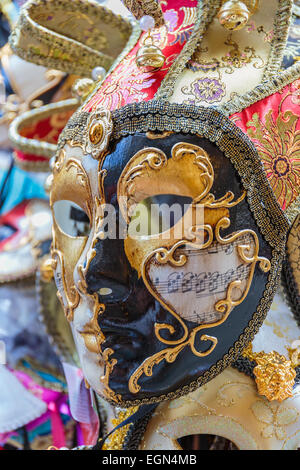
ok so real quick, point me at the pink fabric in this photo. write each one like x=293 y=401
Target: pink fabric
x=57 y=405
x=87 y=432
x=81 y=405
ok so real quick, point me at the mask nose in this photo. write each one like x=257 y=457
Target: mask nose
x=109 y=272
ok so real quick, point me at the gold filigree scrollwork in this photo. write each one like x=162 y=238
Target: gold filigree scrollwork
x=92 y=334
x=82 y=180
x=164 y=256
x=109 y=365
x=226 y=201
x=201 y=160
x=203 y=163
x=225 y=306
x=94 y=338
x=99 y=204
x=169 y=355
x=168 y=255
x=81 y=174
x=155 y=160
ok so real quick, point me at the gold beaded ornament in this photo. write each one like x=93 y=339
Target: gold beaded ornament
x=274 y=373
x=235 y=14
x=149 y=57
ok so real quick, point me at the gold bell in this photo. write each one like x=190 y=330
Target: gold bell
x=150 y=57
x=234 y=14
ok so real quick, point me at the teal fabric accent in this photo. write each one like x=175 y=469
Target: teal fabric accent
x=44 y=375
x=41 y=430
x=21 y=185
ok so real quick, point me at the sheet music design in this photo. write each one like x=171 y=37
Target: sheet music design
x=193 y=290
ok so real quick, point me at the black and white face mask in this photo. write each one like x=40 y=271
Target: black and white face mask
x=160 y=300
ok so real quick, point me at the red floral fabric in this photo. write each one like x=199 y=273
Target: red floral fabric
x=273 y=125
x=129 y=84
x=46 y=130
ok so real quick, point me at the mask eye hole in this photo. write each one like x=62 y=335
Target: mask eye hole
x=71 y=219
x=156 y=214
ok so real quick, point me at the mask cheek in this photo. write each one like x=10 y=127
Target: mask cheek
x=79 y=313
x=91 y=363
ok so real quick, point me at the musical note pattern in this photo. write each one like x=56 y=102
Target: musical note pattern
x=194 y=290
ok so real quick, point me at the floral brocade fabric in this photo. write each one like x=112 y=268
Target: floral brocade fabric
x=273 y=125
x=129 y=84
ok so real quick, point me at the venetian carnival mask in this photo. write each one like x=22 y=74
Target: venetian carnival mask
x=159 y=305
x=144 y=306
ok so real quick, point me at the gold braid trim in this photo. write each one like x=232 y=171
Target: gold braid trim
x=116 y=439
x=35 y=146
x=50 y=42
